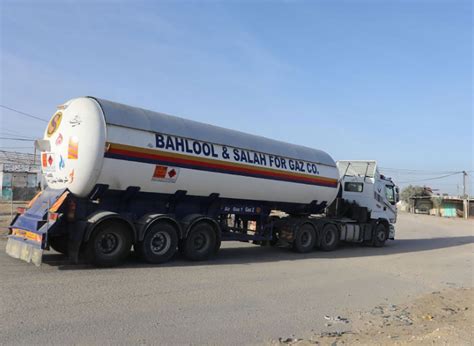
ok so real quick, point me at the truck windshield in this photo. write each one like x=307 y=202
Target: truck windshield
x=390 y=194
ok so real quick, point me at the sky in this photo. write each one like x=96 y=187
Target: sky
x=383 y=80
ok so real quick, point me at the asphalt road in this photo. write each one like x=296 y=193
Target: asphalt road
x=247 y=295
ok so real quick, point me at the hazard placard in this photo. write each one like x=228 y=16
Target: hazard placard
x=48 y=162
x=165 y=173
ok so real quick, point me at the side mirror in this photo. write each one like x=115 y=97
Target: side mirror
x=397 y=194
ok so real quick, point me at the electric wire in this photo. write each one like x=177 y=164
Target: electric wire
x=2 y=133
x=24 y=113
x=18 y=139
x=429 y=179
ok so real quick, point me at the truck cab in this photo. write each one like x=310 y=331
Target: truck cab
x=363 y=185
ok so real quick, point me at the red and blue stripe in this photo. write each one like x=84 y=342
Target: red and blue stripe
x=165 y=158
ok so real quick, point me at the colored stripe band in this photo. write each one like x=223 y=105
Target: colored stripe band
x=159 y=157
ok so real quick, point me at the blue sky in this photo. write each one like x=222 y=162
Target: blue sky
x=384 y=80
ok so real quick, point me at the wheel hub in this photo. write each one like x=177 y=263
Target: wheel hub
x=199 y=241
x=329 y=237
x=381 y=235
x=305 y=238
x=160 y=243
x=108 y=243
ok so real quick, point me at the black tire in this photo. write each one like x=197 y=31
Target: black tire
x=109 y=245
x=305 y=238
x=201 y=242
x=218 y=245
x=181 y=244
x=380 y=235
x=137 y=249
x=275 y=239
x=329 y=237
x=59 y=244
x=276 y=233
x=159 y=244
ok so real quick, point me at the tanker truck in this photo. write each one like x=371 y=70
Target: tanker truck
x=122 y=178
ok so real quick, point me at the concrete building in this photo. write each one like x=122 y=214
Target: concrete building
x=20 y=176
x=445 y=206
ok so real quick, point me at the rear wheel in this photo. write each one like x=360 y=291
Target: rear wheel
x=380 y=235
x=276 y=233
x=109 y=245
x=329 y=237
x=159 y=244
x=275 y=239
x=305 y=238
x=181 y=244
x=201 y=242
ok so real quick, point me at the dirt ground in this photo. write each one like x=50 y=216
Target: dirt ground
x=441 y=317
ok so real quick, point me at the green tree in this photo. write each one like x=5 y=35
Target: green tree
x=412 y=191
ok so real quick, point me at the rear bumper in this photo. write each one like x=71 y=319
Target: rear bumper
x=29 y=230
x=24 y=249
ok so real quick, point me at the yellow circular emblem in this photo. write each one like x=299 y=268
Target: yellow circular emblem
x=54 y=123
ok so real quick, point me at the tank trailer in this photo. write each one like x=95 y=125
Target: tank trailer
x=120 y=177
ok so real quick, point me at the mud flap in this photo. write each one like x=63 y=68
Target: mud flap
x=25 y=251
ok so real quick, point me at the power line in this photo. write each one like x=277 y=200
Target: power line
x=435 y=178
x=8 y=133
x=18 y=139
x=416 y=171
x=17 y=147
x=413 y=175
x=25 y=114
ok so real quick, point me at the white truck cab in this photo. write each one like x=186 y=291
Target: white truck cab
x=362 y=183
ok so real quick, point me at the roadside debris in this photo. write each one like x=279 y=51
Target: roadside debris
x=427 y=317
x=391 y=314
x=289 y=341
x=336 y=319
x=334 y=334
x=440 y=317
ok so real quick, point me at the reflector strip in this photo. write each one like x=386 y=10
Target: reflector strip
x=27 y=235
x=33 y=200
x=54 y=208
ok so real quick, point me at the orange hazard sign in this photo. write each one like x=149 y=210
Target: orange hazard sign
x=160 y=172
x=165 y=173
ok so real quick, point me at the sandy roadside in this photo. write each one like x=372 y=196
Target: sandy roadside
x=6 y=215
x=441 y=317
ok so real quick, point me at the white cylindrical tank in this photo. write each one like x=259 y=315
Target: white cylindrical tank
x=94 y=141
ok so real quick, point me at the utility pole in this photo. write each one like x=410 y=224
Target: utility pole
x=464 y=184
x=465 y=196
x=11 y=200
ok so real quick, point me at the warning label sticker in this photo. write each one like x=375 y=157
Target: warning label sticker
x=165 y=173
x=48 y=162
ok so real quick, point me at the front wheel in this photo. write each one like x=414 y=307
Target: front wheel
x=329 y=237
x=380 y=235
x=159 y=244
x=109 y=245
